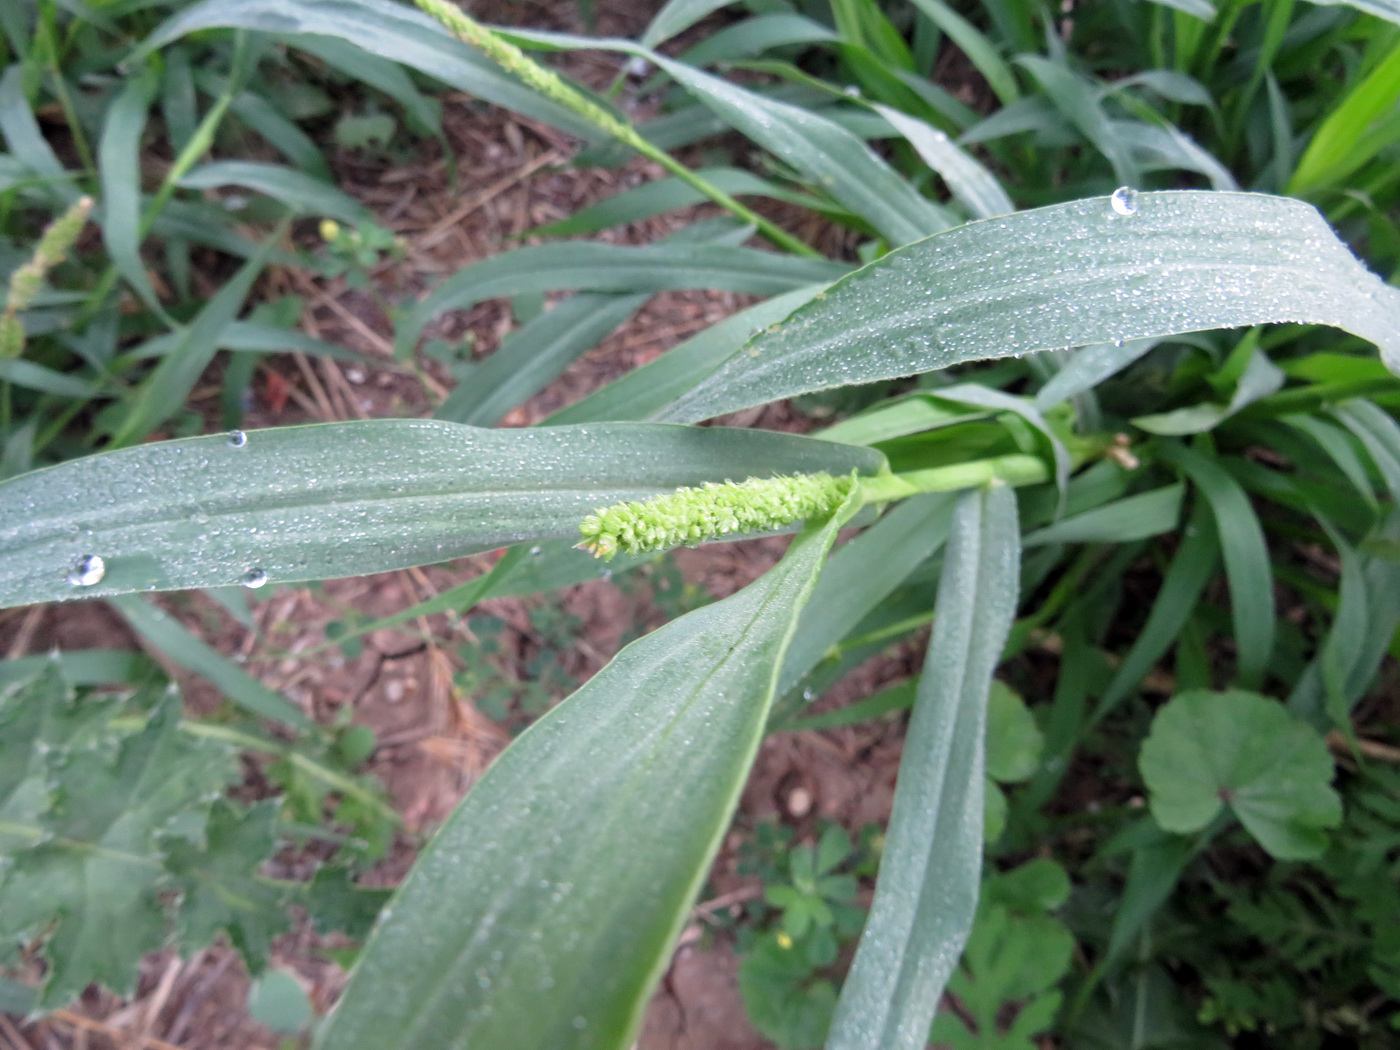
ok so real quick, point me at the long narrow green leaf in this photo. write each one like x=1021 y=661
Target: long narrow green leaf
x=342 y=499
x=1132 y=518
x=1067 y=275
x=393 y=31
x=535 y=355
x=1341 y=673
x=1073 y=96
x=646 y=391
x=33 y=376
x=975 y=188
x=298 y=191
x=540 y=350
x=1333 y=153
x=1246 y=554
x=614 y=803
x=676 y=17
x=119 y=167
x=754 y=36
x=167 y=388
x=167 y=635
x=615 y=268
x=1379 y=434
x=1182 y=585
x=663 y=195
x=1387 y=9
x=837 y=160
x=834 y=158
x=980 y=51
x=927 y=892
x=22 y=134
x=1089 y=366
x=861 y=574
x=81 y=666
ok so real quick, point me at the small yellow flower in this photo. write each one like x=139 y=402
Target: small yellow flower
x=330 y=230
x=784 y=940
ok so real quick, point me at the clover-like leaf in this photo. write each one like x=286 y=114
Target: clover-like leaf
x=1014 y=741
x=1246 y=752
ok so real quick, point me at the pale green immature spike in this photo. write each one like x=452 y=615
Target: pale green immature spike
x=711 y=512
x=11 y=336
x=63 y=232
x=57 y=238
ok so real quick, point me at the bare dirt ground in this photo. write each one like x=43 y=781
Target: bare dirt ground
x=433 y=742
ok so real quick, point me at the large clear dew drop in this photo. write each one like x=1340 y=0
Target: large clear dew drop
x=86 y=570
x=1124 y=201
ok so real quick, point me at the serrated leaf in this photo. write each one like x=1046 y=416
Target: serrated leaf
x=1068 y=275
x=614 y=802
x=90 y=878
x=341 y=499
x=1246 y=752
x=220 y=887
x=786 y=1001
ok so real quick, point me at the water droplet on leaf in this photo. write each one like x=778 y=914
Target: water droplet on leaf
x=86 y=570
x=253 y=579
x=237 y=439
x=1124 y=200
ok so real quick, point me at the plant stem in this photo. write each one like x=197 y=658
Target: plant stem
x=1015 y=469
x=552 y=86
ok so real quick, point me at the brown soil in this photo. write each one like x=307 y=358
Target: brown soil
x=433 y=742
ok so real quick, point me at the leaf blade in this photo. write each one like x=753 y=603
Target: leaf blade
x=1068 y=275
x=341 y=499
x=658 y=742
x=927 y=894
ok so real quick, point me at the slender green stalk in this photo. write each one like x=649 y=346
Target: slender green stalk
x=551 y=85
x=45 y=29
x=1016 y=469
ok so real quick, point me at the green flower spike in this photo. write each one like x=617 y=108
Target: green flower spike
x=27 y=280
x=711 y=512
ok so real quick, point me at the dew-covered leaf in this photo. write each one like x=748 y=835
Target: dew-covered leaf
x=614 y=804
x=340 y=499
x=615 y=268
x=389 y=30
x=1068 y=275
x=927 y=892
x=1243 y=751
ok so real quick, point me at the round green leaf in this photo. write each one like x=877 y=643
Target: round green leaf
x=1014 y=741
x=1245 y=752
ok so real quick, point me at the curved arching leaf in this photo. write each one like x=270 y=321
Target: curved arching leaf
x=1067 y=275
x=342 y=499
x=545 y=910
x=393 y=31
x=615 y=268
